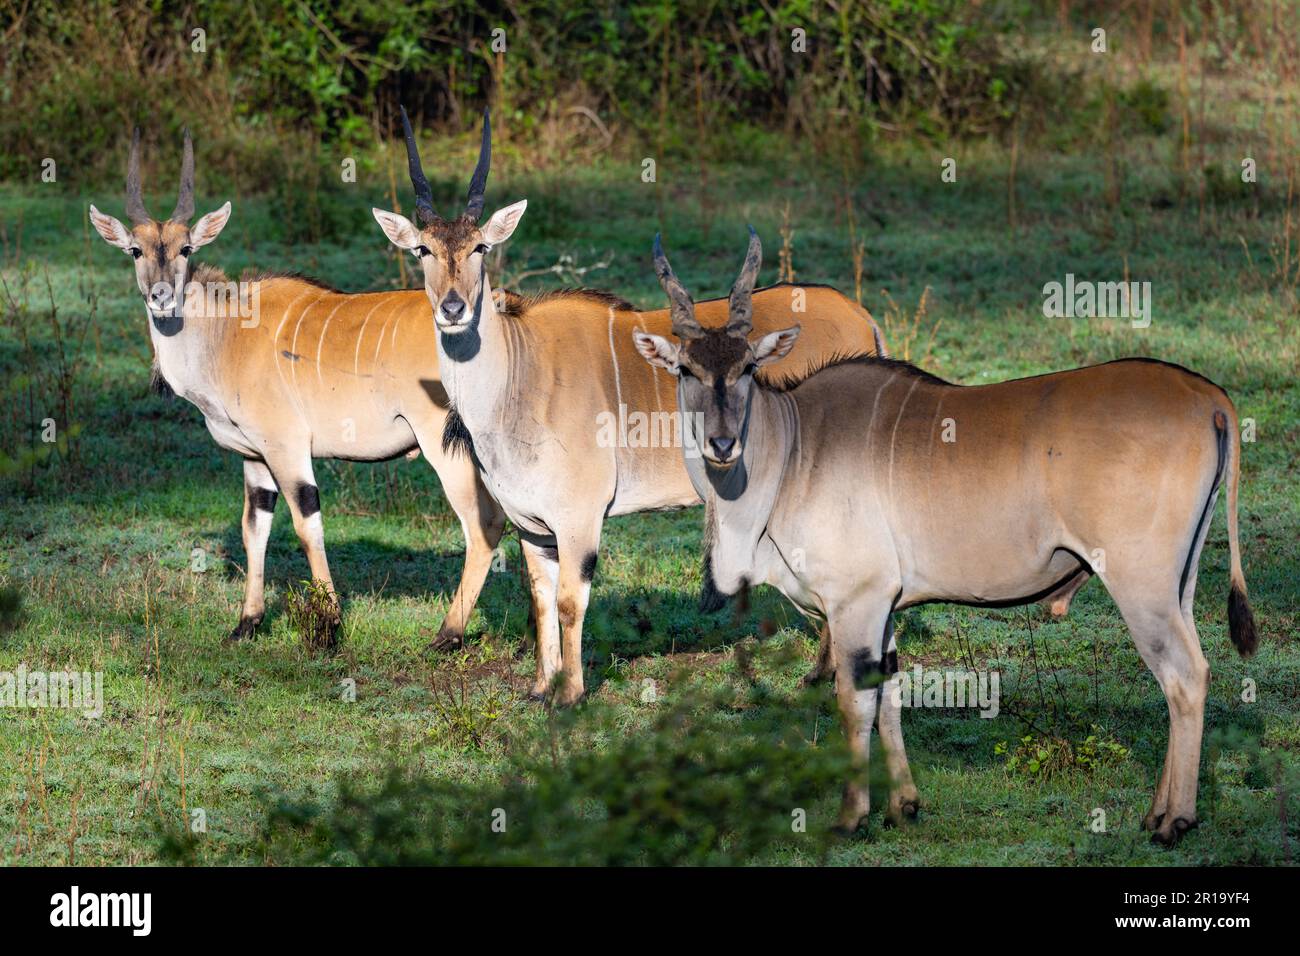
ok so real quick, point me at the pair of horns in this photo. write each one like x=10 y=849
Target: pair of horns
x=424 y=195
x=135 y=210
x=740 y=303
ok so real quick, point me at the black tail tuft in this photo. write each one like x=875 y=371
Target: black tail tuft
x=1241 y=622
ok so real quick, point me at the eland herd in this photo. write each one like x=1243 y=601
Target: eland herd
x=855 y=484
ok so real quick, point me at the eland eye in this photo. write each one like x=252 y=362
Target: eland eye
x=683 y=371
x=135 y=253
x=750 y=369
x=420 y=251
x=482 y=248
x=186 y=250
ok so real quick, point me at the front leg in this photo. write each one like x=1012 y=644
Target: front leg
x=904 y=802
x=259 y=511
x=543 y=564
x=857 y=650
x=824 y=669
x=578 y=552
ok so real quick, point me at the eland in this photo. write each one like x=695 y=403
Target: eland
x=540 y=390
x=871 y=486
x=286 y=370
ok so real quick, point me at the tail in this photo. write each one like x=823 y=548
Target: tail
x=1241 y=622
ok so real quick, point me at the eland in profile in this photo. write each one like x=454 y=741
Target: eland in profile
x=893 y=488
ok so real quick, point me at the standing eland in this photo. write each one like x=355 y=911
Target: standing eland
x=540 y=391
x=286 y=370
x=850 y=468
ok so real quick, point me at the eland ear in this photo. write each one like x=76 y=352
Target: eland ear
x=397 y=228
x=114 y=233
x=775 y=346
x=503 y=222
x=210 y=226
x=657 y=350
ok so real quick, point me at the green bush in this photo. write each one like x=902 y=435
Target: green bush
x=717 y=777
x=274 y=80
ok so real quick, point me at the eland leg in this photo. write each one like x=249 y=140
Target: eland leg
x=857 y=649
x=578 y=551
x=542 y=561
x=482 y=523
x=1169 y=645
x=904 y=801
x=823 y=670
x=297 y=482
x=260 y=495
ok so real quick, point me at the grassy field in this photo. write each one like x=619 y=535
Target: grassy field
x=99 y=543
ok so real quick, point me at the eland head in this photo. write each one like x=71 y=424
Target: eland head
x=451 y=251
x=161 y=249
x=715 y=366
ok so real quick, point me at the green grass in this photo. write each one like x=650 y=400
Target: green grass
x=100 y=547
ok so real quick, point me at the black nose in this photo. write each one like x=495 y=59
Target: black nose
x=453 y=307
x=722 y=447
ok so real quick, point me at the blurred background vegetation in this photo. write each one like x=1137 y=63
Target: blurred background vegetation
x=269 y=84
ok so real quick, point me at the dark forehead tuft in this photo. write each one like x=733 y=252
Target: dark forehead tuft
x=716 y=351
x=454 y=234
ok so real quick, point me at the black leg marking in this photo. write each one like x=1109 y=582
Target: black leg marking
x=864 y=667
x=589 y=566
x=889 y=665
x=263 y=499
x=308 y=500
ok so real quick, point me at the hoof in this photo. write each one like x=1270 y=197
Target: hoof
x=1152 y=821
x=447 y=641
x=854 y=809
x=245 y=630
x=846 y=830
x=817 y=676
x=1169 y=836
x=570 y=700
x=904 y=813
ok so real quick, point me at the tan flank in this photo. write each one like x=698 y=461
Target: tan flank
x=286 y=370
x=871 y=486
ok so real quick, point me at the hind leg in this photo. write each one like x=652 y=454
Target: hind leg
x=1171 y=649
